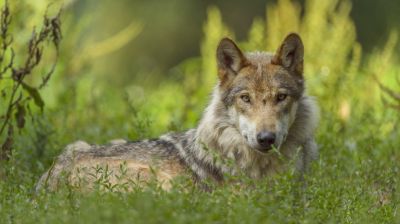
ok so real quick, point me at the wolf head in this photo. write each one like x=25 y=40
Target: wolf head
x=261 y=90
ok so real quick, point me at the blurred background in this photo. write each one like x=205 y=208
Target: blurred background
x=169 y=32
x=172 y=31
x=164 y=24
x=135 y=69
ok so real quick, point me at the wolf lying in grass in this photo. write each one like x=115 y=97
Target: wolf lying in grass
x=258 y=120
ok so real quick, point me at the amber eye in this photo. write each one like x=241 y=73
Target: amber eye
x=281 y=97
x=245 y=98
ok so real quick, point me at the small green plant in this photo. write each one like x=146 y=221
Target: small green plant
x=15 y=71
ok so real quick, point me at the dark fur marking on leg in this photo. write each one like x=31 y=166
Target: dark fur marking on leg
x=210 y=168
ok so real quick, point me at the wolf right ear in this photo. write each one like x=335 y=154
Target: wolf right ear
x=290 y=54
x=229 y=58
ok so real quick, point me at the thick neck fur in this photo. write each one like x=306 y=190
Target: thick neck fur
x=218 y=142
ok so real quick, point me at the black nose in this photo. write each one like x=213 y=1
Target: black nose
x=266 y=138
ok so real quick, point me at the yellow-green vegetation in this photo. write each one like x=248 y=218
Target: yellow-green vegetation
x=356 y=179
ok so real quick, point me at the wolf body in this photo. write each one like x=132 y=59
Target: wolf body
x=258 y=120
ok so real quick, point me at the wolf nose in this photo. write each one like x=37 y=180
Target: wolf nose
x=266 y=138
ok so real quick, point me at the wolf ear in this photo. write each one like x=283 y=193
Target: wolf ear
x=229 y=58
x=290 y=54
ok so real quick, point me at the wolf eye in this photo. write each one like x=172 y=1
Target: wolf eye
x=281 y=97
x=245 y=98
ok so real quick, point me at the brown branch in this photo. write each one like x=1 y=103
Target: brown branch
x=10 y=107
x=385 y=89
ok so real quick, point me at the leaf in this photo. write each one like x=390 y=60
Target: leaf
x=34 y=93
x=20 y=116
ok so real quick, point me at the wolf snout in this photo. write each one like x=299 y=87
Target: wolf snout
x=266 y=139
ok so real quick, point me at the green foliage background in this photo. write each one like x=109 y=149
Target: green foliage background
x=355 y=180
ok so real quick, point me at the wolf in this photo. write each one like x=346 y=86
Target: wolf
x=258 y=121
